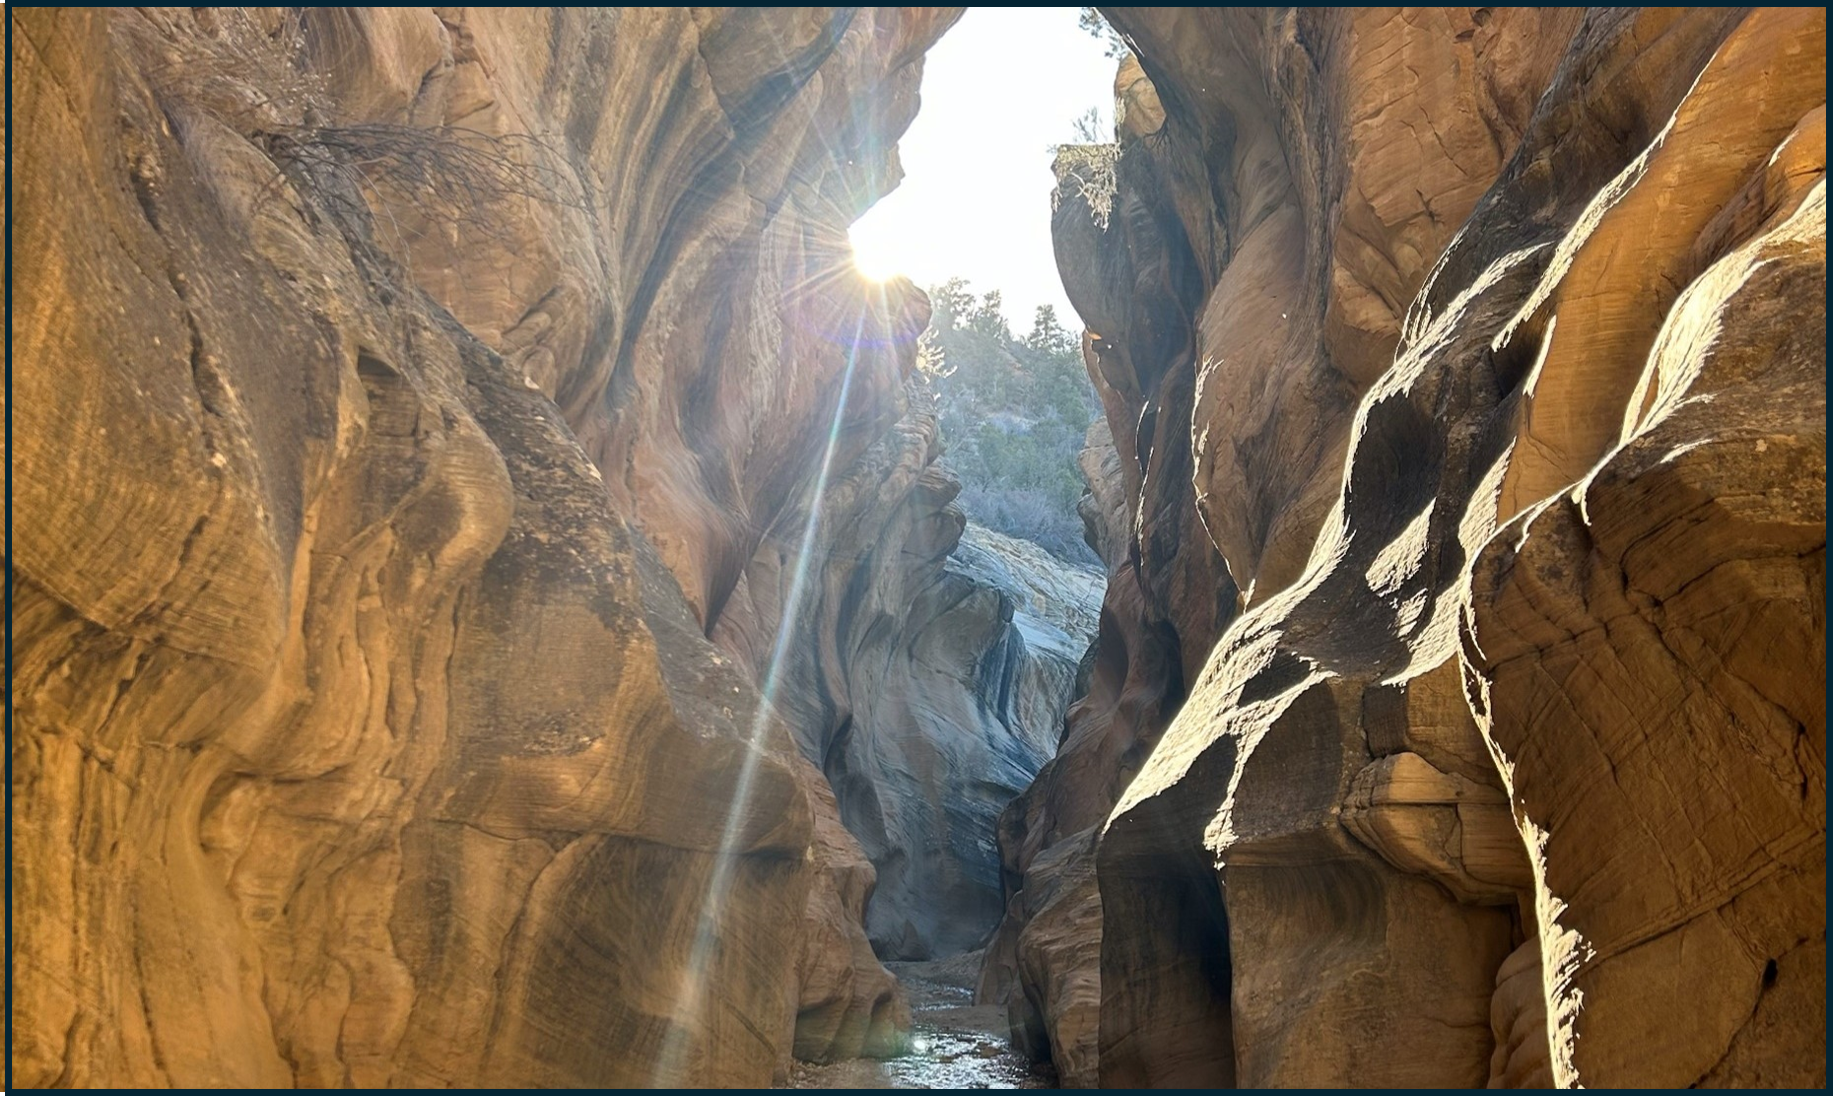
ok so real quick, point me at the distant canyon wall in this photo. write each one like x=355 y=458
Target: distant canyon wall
x=926 y=671
x=1458 y=710
x=402 y=398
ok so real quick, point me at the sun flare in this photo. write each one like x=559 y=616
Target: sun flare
x=885 y=247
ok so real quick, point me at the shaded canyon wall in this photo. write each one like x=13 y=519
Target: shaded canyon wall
x=926 y=671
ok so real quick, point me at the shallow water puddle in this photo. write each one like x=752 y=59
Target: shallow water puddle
x=955 y=1044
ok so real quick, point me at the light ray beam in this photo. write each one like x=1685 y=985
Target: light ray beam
x=676 y=1045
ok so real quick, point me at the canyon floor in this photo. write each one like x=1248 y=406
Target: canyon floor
x=955 y=1043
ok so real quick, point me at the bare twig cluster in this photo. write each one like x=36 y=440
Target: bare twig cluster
x=243 y=65
x=447 y=172
x=249 y=68
x=1088 y=171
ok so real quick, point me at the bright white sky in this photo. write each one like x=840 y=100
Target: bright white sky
x=1001 y=86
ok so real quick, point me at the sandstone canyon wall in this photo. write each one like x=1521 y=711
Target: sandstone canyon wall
x=927 y=675
x=478 y=543
x=925 y=670
x=1457 y=713
x=401 y=398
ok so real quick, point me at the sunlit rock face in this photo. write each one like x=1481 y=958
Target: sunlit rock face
x=397 y=407
x=1455 y=342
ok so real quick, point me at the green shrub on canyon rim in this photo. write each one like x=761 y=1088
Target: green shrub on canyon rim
x=1013 y=413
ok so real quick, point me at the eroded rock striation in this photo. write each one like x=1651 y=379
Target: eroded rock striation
x=1472 y=487
x=400 y=397
x=925 y=667
x=453 y=453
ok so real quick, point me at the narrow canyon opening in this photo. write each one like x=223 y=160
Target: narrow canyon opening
x=959 y=675
x=917 y=547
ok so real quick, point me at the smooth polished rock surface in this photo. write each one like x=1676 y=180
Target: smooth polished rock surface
x=1455 y=340
x=361 y=359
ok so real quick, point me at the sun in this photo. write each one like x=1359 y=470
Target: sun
x=882 y=246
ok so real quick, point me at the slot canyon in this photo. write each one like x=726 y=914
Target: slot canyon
x=491 y=602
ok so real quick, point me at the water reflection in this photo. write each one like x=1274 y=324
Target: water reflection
x=955 y=1044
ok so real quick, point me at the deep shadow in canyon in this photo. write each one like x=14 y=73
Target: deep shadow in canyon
x=490 y=607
